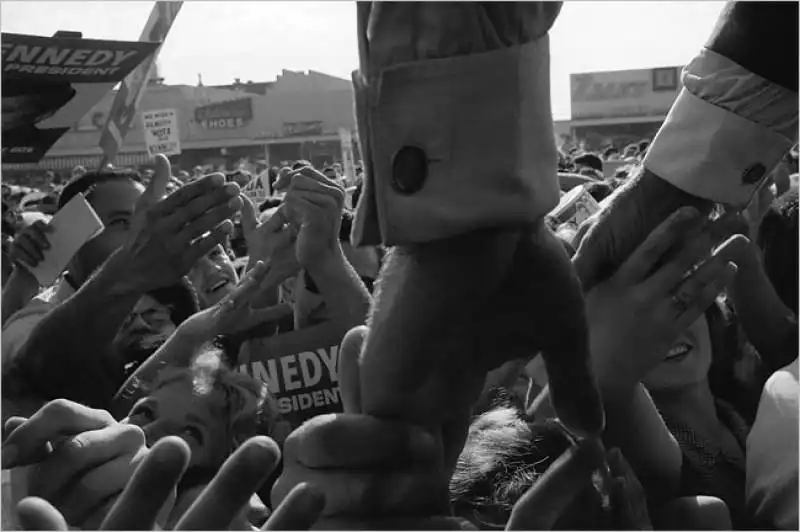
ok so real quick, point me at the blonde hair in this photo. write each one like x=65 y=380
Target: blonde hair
x=247 y=406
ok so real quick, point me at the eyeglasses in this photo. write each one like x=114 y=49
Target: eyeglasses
x=311 y=286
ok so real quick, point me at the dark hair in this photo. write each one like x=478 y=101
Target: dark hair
x=502 y=459
x=599 y=190
x=608 y=152
x=778 y=238
x=269 y=203
x=302 y=163
x=83 y=184
x=181 y=298
x=591 y=160
x=643 y=146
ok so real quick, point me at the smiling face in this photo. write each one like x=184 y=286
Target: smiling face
x=175 y=409
x=147 y=326
x=214 y=277
x=687 y=362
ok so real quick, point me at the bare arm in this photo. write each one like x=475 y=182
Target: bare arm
x=634 y=425
x=65 y=353
x=341 y=287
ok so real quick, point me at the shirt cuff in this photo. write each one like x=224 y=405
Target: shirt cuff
x=457 y=144
x=712 y=153
x=721 y=82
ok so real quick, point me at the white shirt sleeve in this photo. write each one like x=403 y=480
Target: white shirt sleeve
x=772 y=456
x=727 y=131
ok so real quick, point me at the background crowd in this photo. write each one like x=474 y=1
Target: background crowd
x=143 y=338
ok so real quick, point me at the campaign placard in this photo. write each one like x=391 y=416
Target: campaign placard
x=299 y=369
x=50 y=83
x=161 y=132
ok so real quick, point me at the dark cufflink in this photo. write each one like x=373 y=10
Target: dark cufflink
x=409 y=169
x=753 y=174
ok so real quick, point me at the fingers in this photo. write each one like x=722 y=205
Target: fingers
x=249 y=220
x=349 y=374
x=203 y=245
x=95 y=492
x=646 y=256
x=368 y=492
x=57 y=418
x=705 y=284
x=38 y=514
x=152 y=485
x=29 y=246
x=299 y=510
x=192 y=191
x=251 y=281
x=554 y=491
x=240 y=476
x=157 y=188
x=205 y=213
x=67 y=471
x=356 y=441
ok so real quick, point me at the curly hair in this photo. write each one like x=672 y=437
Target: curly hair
x=247 y=406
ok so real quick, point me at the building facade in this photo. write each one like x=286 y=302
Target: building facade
x=619 y=107
x=298 y=116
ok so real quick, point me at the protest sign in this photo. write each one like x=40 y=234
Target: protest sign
x=161 y=132
x=50 y=83
x=130 y=91
x=346 y=141
x=299 y=369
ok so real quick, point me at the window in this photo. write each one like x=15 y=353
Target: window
x=665 y=79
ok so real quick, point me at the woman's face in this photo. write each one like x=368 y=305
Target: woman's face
x=687 y=361
x=175 y=410
x=214 y=277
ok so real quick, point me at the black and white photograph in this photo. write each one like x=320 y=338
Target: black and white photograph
x=408 y=265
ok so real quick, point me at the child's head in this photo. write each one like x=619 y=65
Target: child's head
x=207 y=404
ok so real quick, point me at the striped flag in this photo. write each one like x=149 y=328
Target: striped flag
x=132 y=87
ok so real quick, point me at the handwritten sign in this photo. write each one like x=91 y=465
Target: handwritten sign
x=161 y=132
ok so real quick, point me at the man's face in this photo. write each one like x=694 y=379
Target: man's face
x=114 y=202
x=147 y=326
x=213 y=277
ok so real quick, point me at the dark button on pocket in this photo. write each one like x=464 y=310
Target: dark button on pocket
x=409 y=169
x=754 y=174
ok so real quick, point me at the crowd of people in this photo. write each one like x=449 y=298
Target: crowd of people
x=427 y=343
x=141 y=338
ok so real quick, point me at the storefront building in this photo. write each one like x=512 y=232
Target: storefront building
x=298 y=116
x=620 y=107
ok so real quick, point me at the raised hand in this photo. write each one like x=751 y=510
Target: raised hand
x=146 y=499
x=314 y=206
x=636 y=209
x=81 y=459
x=235 y=313
x=169 y=235
x=373 y=473
x=638 y=313
x=269 y=241
x=30 y=244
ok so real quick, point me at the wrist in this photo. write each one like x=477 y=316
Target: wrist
x=119 y=270
x=332 y=260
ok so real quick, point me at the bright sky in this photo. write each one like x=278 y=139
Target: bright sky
x=255 y=40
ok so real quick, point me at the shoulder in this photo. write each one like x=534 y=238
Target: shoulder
x=20 y=325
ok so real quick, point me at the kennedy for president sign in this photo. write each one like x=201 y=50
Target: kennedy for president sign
x=49 y=83
x=161 y=132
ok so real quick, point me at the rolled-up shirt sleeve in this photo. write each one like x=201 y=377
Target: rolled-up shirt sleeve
x=730 y=126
